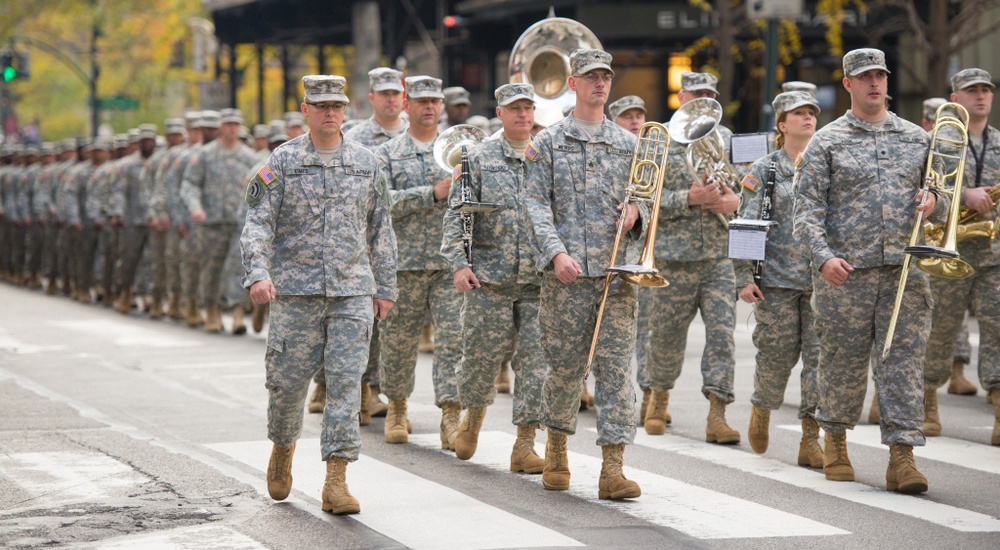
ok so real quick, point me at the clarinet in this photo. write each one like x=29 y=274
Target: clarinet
x=467 y=217
x=765 y=214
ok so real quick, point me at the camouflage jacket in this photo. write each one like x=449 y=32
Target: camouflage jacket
x=129 y=193
x=74 y=192
x=95 y=193
x=44 y=198
x=371 y=135
x=166 y=201
x=26 y=192
x=214 y=181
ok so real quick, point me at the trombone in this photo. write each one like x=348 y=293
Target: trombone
x=939 y=261
x=645 y=185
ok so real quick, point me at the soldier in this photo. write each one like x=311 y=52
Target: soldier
x=160 y=235
x=930 y=112
x=294 y=124
x=500 y=284
x=856 y=237
x=629 y=112
x=86 y=223
x=299 y=254
x=65 y=158
x=66 y=204
x=973 y=89
x=419 y=191
x=785 y=327
x=38 y=210
x=213 y=181
x=260 y=133
x=576 y=186
x=456 y=107
x=692 y=246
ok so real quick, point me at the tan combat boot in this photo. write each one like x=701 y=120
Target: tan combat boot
x=174 y=307
x=586 y=400
x=657 y=416
x=395 y=422
x=932 y=419
x=758 y=433
x=279 y=472
x=555 y=473
x=259 y=314
x=873 y=415
x=958 y=384
x=902 y=474
x=810 y=451
x=613 y=484
x=50 y=286
x=646 y=392
x=238 y=326
x=377 y=406
x=213 y=319
x=718 y=431
x=124 y=302
x=451 y=414
x=523 y=458
x=836 y=464
x=426 y=344
x=83 y=296
x=467 y=438
x=192 y=314
x=995 y=395
x=156 y=309
x=337 y=499
x=317 y=399
x=365 y=416
x=502 y=383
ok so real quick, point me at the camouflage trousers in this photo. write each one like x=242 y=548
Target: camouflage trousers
x=642 y=331
x=567 y=320
x=232 y=274
x=852 y=322
x=131 y=244
x=497 y=321
x=214 y=241
x=84 y=247
x=50 y=249
x=19 y=235
x=785 y=331
x=65 y=258
x=708 y=287
x=190 y=265
x=399 y=334
x=109 y=239
x=963 y=350
x=4 y=245
x=158 y=254
x=310 y=333
x=371 y=371
x=34 y=247
x=173 y=262
x=952 y=297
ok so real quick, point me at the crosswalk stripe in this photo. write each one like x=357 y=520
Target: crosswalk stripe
x=667 y=502
x=61 y=477
x=941 y=514
x=967 y=454
x=126 y=333
x=414 y=511
x=216 y=537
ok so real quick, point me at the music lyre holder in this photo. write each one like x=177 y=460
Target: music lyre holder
x=474 y=207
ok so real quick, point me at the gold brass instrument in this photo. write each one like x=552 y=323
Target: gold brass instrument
x=696 y=124
x=939 y=261
x=540 y=57
x=645 y=185
x=969 y=226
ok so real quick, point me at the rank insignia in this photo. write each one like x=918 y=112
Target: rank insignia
x=750 y=182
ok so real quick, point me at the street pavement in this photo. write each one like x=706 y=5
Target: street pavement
x=121 y=432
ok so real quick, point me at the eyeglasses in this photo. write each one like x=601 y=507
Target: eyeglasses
x=335 y=107
x=594 y=77
x=520 y=109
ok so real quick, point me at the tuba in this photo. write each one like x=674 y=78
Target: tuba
x=447 y=148
x=540 y=57
x=645 y=185
x=696 y=124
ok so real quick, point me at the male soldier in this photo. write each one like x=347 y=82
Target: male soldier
x=160 y=235
x=260 y=133
x=500 y=284
x=575 y=190
x=128 y=201
x=973 y=89
x=34 y=195
x=86 y=223
x=47 y=196
x=857 y=187
x=629 y=112
x=419 y=191
x=692 y=246
x=294 y=124
x=456 y=107
x=930 y=112
x=65 y=205
x=23 y=183
x=319 y=243
x=211 y=190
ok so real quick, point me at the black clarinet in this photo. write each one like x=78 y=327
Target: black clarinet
x=765 y=213
x=467 y=217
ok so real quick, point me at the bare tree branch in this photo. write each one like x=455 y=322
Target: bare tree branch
x=961 y=40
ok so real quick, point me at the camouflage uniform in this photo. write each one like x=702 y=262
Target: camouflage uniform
x=785 y=321
x=371 y=135
x=129 y=199
x=574 y=187
x=501 y=316
x=855 y=192
x=325 y=279
x=184 y=268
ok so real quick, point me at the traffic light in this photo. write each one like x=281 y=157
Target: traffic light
x=452 y=21
x=9 y=70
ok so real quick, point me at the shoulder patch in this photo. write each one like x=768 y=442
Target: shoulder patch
x=798 y=160
x=456 y=172
x=750 y=182
x=530 y=152
x=256 y=191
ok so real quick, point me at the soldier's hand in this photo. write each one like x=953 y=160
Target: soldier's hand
x=727 y=203
x=182 y=230
x=700 y=194
x=566 y=268
x=631 y=216
x=198 y=216
x=465 y=280
x=382 y=307
x=262 y=292
x=77 y=227
x=442 y=188
x=98 y=226
x=751 y=294
x=978 y=199
x=835 y=271
x=928 y=205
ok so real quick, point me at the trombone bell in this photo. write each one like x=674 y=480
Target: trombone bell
x=948 y=268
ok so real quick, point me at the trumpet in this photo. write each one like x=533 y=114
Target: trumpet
x=969 y=226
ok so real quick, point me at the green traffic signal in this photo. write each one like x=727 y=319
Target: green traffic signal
x=9 y=73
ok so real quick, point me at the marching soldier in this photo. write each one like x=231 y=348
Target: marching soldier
x=160 y=235
x=294 y=124
x=456 y=107
x=629 y=112
x=86 y=221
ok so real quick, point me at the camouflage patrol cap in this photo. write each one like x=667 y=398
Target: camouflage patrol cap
x=385 y=78
x=863 y=59
x=47 y=148
x=699 y=81
x=231 y=116
x=133 y=135
x=423 y=86
x=799 y=86
x=210 y=119
x=276 y=133
x=786 y=102
x=967 y=77
x=103 y=143
x=624 y=104
x=147 y=131
x=121 y=141
x=68 y=144
x=294 y=119
x=173 y=126
x=324 y=87
x=509 y=93
x=931 y=106
x=261 y=131
x=584 y=60
x=192 y=119
x=31 y=150
x=456 y=95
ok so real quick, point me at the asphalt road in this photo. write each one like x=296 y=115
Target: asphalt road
x=121 y=432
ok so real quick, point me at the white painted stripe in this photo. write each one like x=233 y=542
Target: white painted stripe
x=692 y=510
x=967 y=454
x=940 y=514
x=201 y=537
x=213 y=365
x=126 y=333
x=416 y=512
x=69 y=476
x=15 y=346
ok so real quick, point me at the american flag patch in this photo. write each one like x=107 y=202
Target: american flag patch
x=530 y=152
x=750 y=182
x=266 y=175
x=456 y=172
x=798 y=159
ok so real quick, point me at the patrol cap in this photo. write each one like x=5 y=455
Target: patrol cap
x=418 y=87
x=147 y=131
x=210 y=119
x=192 y=119
x=83 y=141
x=103 y=143
x=699 y=81
x=789 y=101
x=385 y=78
x=456 y=95
x=47 y=148
x=479 y=121
x=68 y=144
x=173 y=126
x=509 y=93
x=931 y=106
x=967 y=77
x=231 y=116
x=31 y=150
x=294 y=119
x=121 y=141
x=276 y=133
x=799 y=86
x=133 y=135
x=863 y=59
x=626 y=103
x=584 y=60
x=261 y=131
x=324 y=87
